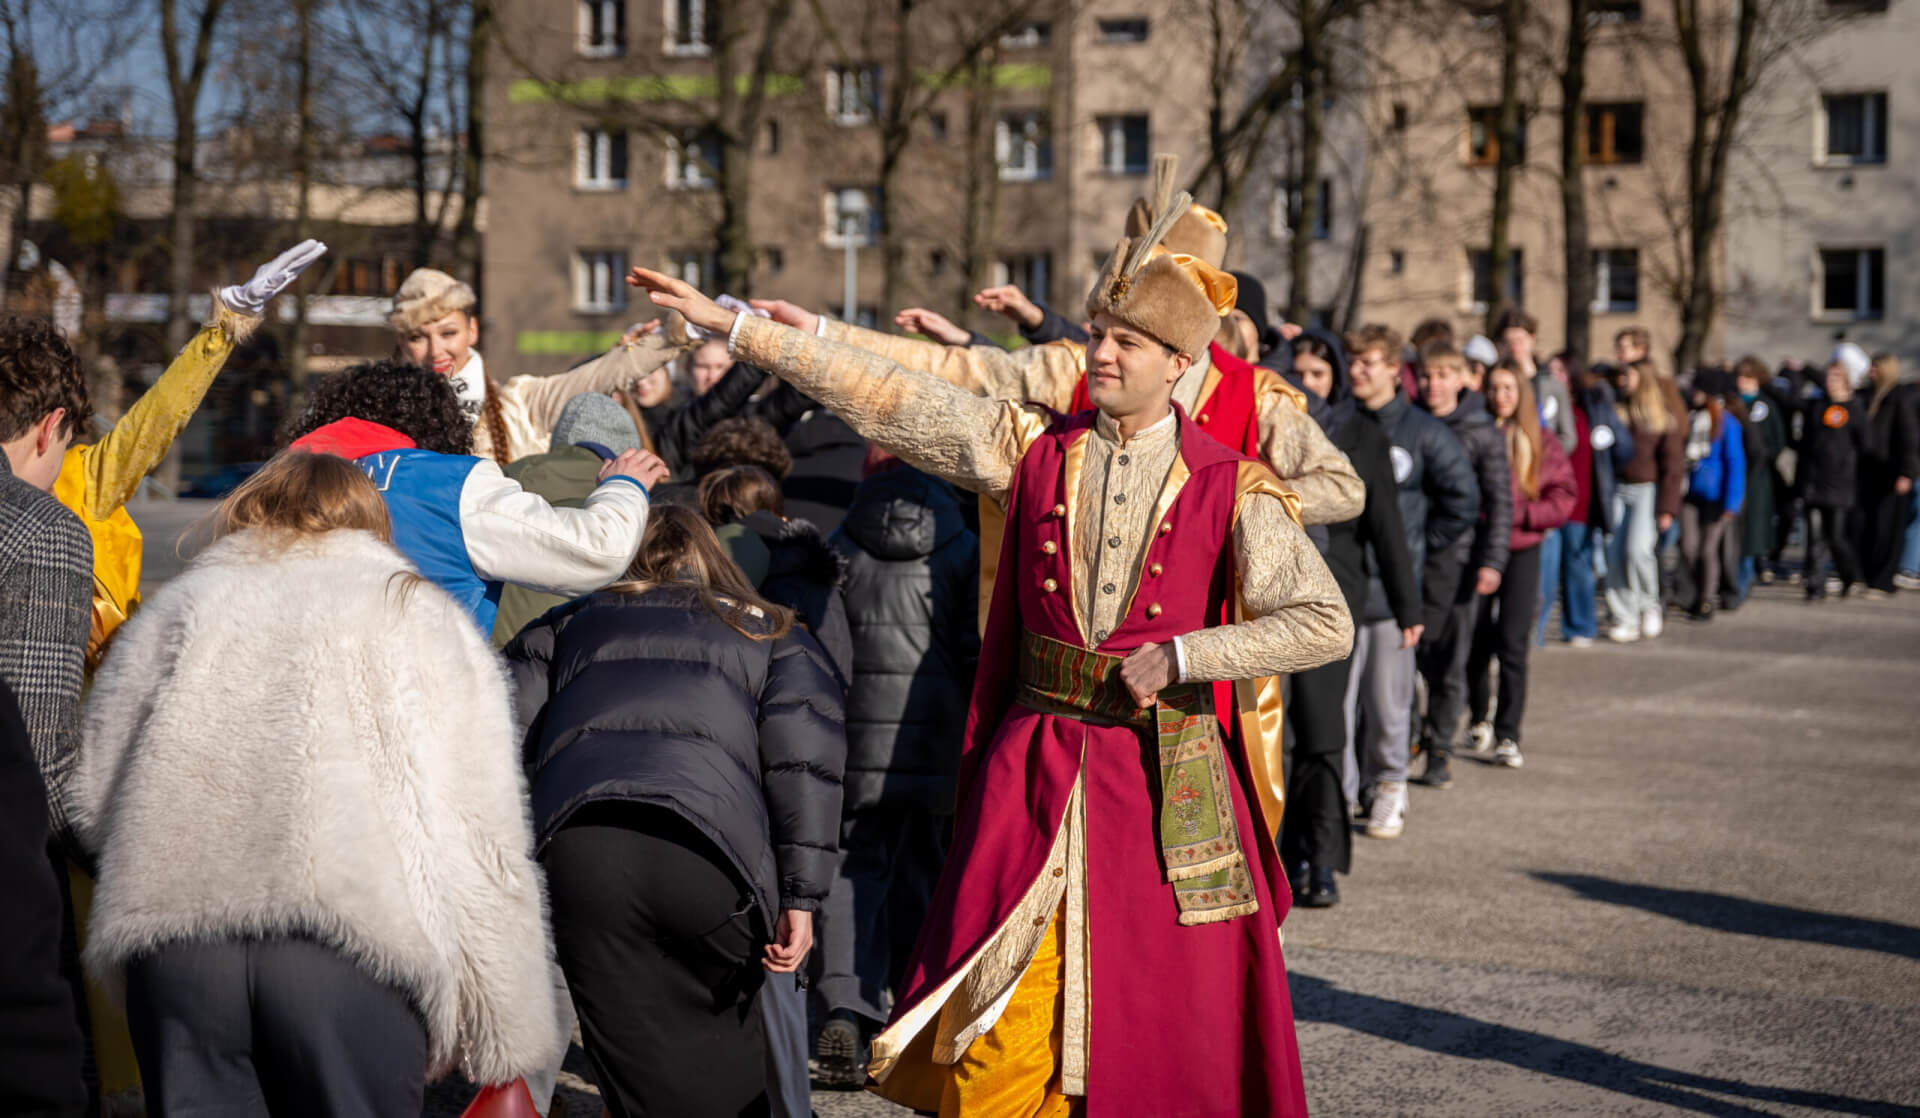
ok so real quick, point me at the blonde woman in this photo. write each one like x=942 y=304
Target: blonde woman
x=300 y=778
x=1647 y=501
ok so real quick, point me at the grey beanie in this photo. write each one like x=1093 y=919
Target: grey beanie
x=594 y=418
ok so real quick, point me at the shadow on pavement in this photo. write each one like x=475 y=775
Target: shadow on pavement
x=1723 y=913
x=1453 y=1034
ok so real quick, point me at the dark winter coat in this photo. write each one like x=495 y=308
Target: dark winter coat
x=1893 y=438
x=912 y=596
x=1833 y=439
x=40 y=1042
x=1609 y=443
x=650 y=698
x=828 y=456
x=677 y=426
x=1487 y=544
x=1766 y=437
x=1439 y=498
x=804 y=575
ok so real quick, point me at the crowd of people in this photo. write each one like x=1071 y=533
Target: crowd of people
x=768 y=698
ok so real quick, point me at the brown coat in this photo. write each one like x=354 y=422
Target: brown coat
x=1659 y=458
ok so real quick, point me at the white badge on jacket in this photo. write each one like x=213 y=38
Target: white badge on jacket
x=1402 y=464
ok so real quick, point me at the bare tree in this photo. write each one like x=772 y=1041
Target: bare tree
x=186 y=79
x=1573 y=187
x=466 y=229
x=1508 y=122
x=402 y=50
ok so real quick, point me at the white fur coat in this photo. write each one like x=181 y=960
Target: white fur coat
x=283 y=742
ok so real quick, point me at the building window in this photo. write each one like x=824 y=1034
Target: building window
x=600 y=159
x=1614 y=11
x=1480 y=262
x=1399 y=116
x=937 y=263
x=1032 y=274
x=603 y=28
x=1855 y=128
x=1614 y=133
x=851 y=214
x=773 y=137
x=1289 y=220
x=1483 y=136
x=693 y=161
x=366 y=276
x=1486 y=17
x=699 y=267
x=1027 y=36
x=1853 y=283
x=1123 y=145
x=937 y=125
x=1616 y=280
x=853 y=94
x=599 y=285
x=1123 y=30
x=773 y=259
x=1396 y=262
x=1023 y=147
x=686 y=24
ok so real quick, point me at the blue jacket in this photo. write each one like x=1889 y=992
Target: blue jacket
x=1720 y=476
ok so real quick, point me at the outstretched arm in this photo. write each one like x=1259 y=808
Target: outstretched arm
x=1308 y=463
x=1295 y=616
x=619 y=367
x=971 y=441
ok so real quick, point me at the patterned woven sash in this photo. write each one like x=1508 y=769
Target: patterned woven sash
x=1199 y=838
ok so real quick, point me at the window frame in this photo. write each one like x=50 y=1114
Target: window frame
x=585 y=277
x=1492 y=126
x=1603 y=146
x=1869 y=263
x=1034 y=142
x=865 y=74
x=587 y=157
x=1604 y=262
x=1034 y=34
x=674 y=40
x=1874 y=129
x=1020 y=270
x=1111 y=125
x=585 y=44
x=831 y=234
x=691 y=174
x=1516 y=296
x=1107 y=32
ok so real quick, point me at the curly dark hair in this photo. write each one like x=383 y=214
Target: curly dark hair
x=416 y=402
x=38 y=373
x=742 y=442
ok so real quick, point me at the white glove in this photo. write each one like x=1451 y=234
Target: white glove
x=251 y=298
x=730 y=303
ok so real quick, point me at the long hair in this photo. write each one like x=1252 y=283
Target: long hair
x=1522 y=428
x=681 y=551
x=1655 y=406
x=305 y=494
x=496 y=421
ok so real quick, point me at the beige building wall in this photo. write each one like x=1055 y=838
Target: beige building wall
x=1793 y=198
x=1430 y=205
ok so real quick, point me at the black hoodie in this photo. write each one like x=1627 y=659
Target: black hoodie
x=804 y=575
x=912 y=595
x=1376 y=540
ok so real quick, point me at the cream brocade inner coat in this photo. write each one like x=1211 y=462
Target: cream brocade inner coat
x=1296 y=618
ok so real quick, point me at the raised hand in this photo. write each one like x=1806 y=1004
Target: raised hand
x=933 y=324
x=643 y=466
x=273 y=277
x=787 y=314
x=637 y=331
x=1009 y=300
x=677 y=294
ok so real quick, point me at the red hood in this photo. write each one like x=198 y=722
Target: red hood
x=352 y=438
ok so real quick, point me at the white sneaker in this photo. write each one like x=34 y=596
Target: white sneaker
x=1480 y=738
x=1905 y=581
x=1652 y=623
x=1623 y=634
x=1507 y=753
x=1389 y=816
x=1579 y=642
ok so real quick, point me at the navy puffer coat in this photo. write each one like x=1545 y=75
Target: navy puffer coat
x=650 y=698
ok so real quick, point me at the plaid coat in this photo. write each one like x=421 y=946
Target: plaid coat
x=46 y=600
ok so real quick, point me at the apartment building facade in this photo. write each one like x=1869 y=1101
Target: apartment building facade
x=597 y=161
x=1434 y=144
x=1824 y=220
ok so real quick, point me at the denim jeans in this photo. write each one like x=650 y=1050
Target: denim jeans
x=1633 y=565
x=1550 y=551
x=1578 y=607
x=1910 y=551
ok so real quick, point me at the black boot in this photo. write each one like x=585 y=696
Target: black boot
x=1321 y=891
x=1437 y=774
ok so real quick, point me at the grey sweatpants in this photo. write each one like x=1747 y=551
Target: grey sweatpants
x=1379 y=708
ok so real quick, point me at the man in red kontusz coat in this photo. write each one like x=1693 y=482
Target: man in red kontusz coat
x=1104 y=938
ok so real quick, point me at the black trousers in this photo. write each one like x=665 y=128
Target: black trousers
x=250 y=1028
x=1315 y=827
x=1504 y=633
x=1442 y=660
x=660 y=942
x=890 y=859
x=1828 y=532
x=1883 y=529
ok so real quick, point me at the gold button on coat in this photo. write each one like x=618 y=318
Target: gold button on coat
x=1050 y=585
x=1166 y=526
x=1153 y=610
x=1049 y=547
x=1059 y=510
x=1155 y=570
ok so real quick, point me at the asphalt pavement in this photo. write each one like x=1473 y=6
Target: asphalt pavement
x=1701 y=895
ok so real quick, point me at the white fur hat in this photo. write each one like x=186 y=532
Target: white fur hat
x=1855 y=360
x=427 y=296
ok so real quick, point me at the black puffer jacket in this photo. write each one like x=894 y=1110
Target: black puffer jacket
x=804 y=575
x=650 y=698
x=1486 y=447
x=677 y=426
x=912 y=596
x=1439 y=498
